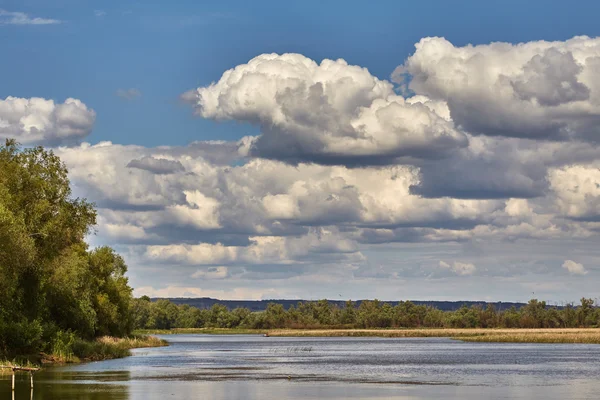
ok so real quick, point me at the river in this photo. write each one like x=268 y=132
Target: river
x=268 y=368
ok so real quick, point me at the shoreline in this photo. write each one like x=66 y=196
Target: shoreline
x=100 y=349
x=489 y=335
x=202 y=331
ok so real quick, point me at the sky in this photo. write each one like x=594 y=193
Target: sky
x=427 y=150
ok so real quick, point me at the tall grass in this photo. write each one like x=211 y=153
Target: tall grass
x=588 y=335
x=205 y=331
x=107 y=347
x=378 y=332
x=66 y=350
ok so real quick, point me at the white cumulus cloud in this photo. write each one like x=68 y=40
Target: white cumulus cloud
x=534 y=90
x=331 y=113
x=574 y=268
x=40 y=121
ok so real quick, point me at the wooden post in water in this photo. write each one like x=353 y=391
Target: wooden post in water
x=14 y=372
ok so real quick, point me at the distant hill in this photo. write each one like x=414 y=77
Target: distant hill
x=261 y=305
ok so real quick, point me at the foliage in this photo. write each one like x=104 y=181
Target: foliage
x=163 y=314
x=108 y=347
x=53 y=290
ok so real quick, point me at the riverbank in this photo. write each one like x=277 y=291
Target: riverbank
x=546 y=335
x=570 y=335
x=201 y=331
x=103 y=348
x=564 y=335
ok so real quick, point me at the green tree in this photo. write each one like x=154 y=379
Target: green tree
x=140 y=309
x=584 y=312
x=49 y=281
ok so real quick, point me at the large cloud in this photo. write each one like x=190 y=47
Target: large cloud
x=535 y=90
x=265 y=220
x=330 y=113
x=350 y=184
x=269 y=214
x=335 y=114
x=41 y=121
x=260 y=197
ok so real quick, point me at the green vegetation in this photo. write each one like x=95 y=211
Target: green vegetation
x=105 y=348
x=55 y=293
x=164 y=315
x=205 y=331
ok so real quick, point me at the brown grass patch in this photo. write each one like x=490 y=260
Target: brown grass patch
x=571 y=335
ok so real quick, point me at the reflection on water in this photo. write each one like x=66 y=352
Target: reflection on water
x=254 y=367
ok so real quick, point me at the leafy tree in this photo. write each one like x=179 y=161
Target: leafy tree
x=49 y=281
x=584 y=312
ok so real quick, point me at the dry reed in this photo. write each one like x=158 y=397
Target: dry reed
x=571 y=335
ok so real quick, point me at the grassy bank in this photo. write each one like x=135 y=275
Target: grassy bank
x=546 y=335
x=588 y=335
x=76 y=350
x=200 y=331
x=103 y=348
x=393 y=333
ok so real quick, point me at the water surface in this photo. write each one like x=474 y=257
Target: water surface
x=256 y=367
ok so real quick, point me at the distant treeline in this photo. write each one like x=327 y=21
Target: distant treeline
x=164 y=314
x=261 y=305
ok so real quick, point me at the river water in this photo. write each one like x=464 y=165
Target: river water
x=268 y=368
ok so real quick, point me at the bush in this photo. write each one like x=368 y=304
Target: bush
x=22 y=337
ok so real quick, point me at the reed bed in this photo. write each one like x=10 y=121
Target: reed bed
x=201 y=331
x=571 y=335
x=103 y=348
x=592 y=337
x=108 y=347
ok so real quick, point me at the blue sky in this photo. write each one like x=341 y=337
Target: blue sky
x=165 y=48
x=482 y=184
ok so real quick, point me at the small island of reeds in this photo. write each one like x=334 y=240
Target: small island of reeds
x=569 y=335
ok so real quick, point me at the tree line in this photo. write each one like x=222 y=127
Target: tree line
x=53 y=288
x=163 y=314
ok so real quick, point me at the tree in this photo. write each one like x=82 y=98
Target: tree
x=113 y=295
x=49 y=280
x=585 y=311
x=348 y=314
x=140 y=309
